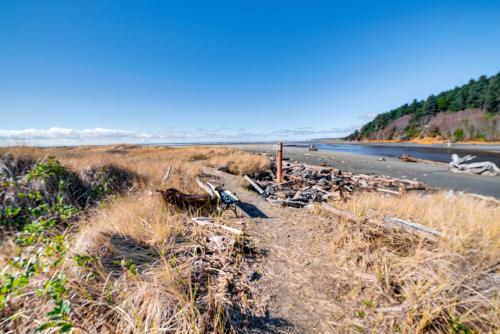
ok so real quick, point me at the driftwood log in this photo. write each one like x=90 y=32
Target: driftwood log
x=458 y=165
x=254 y=185
x=387 y=222
x=408 y=158
x=184 y=201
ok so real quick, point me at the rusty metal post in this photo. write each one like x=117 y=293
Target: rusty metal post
x=279 y=164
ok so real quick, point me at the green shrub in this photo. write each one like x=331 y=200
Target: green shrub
x=458 y=134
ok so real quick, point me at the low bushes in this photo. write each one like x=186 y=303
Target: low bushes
x=38 y=200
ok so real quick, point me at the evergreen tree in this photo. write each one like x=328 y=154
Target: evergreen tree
x=474 y=95
x=459 y=101
x=430 y=106
x=442 y=102
x=413 y=107
x=492 y=95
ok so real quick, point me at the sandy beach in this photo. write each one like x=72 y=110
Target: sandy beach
x=434 y=174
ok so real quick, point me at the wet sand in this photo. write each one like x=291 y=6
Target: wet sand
x=434 y=174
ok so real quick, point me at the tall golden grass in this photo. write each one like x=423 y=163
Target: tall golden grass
x=152 y=162
x=404 y=283
x=157 y=288
x=134 y=266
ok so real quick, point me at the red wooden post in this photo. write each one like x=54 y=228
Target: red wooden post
x=279 y=164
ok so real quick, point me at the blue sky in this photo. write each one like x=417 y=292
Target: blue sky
x=178 y=71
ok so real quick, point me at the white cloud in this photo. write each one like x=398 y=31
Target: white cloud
x=367 y=117
x=65 y=136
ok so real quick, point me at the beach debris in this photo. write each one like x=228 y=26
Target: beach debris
x=381 y=159
x=304 y=183
x=458 y=165
x=408 y=158
x=312 y=148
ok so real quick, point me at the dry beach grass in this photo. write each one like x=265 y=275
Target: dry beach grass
x=133 y=265
x=411 y=283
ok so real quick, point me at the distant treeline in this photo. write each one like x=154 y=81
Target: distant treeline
x=483 y=93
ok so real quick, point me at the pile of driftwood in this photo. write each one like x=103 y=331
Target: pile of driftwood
x=304 y=183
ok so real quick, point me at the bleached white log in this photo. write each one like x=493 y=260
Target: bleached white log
x=412 y=225
x=254 y=185
x=205 y=187
x=457 y=165
x=390 y=222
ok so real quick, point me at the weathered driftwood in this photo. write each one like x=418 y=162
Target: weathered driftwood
x=254 y=185
x=407 y=158
x=205 y=187
x=458 y=165
x=484 y=198
x=312 y=148
x=412 y=225
x=167 y=173
x=388 y=191
x=307 y=183
x=388 y=222
x=204 y=221
x=341 y=213
x=183 y=201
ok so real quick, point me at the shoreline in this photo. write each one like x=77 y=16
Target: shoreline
x=480 y=146
x=434 y=174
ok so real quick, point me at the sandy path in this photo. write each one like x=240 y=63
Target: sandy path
x=300 y=294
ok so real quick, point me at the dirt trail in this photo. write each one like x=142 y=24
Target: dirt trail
x=298 y=278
